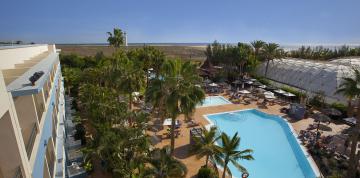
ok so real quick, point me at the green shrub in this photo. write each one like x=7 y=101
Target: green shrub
x=339 y=106
x=293 y=91
x=88 y=166
x=205 y=172
x=263 y=80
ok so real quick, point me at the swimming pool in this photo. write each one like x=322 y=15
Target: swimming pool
x=214 y=101
x=277 y=152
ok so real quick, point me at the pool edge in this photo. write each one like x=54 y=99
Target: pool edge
x=228 y=102
x=308 y=156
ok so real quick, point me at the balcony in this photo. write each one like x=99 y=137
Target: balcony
x=30 y=144
x=9 y=149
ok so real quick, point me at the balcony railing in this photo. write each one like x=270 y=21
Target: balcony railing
x=30 y=143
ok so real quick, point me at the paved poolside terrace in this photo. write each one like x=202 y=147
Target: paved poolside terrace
x=182 y=142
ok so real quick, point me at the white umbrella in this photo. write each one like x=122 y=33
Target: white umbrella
x=288 y=94
x=262 y=86
x=268 y=93
x=213 y=84
x=244 y=92
x=280 y=91
x=269 y=96
x=136 y=93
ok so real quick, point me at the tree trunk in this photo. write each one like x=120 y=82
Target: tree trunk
x=130 y=101
x=172 y=135
x=207 y=160
x=224 y=171
x=349 y=109
x=354 y=139
x=267 y=67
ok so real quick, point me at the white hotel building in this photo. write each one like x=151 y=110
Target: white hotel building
x=31 y=116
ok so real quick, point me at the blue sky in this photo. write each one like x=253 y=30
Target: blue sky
x=87 y=21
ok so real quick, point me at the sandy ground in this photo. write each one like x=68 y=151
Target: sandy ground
x=183 y=52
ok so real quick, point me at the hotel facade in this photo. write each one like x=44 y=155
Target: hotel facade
x=31 y=113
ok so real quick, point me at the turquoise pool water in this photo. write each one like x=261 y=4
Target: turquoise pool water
x=214 y=101
x=276 y=151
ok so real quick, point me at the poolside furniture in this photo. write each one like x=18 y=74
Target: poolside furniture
x=192 y=123
x=155 y=139
x=167 y=122
x=195 y=133
x=297 y=111
x=350 y=121
x=168 y=133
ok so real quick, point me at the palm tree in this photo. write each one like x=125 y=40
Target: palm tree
x=349 y=89
x=72 y=78
x=270 y=51
x=206 y=146
x=116 y=38
x=230 y=153
x=241 y=56
x=125 y=75
x=176 y=91
x=257 y=45
x=163 y=165
x=353 y=84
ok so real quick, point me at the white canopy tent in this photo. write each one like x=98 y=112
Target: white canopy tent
x=311 y=76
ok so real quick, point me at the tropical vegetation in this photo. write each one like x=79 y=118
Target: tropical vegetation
x=242 y=58
x=175 y=92
x=322 y=53
x=221 y=149
x=103 y=89
x=117 y=38
x=350 y=89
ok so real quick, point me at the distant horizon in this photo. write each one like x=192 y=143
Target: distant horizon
x=285 y=22
x=103 y=43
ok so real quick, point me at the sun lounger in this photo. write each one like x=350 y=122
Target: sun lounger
x=192 y=124
x=351 y=121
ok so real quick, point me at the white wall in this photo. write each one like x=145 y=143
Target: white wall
x=4 y=100
x=11 y=56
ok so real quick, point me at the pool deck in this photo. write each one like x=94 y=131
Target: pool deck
x=182 y=143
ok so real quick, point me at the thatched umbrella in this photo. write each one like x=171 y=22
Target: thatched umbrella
x=319 y=117
x=237 y=82
x=331 y=112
